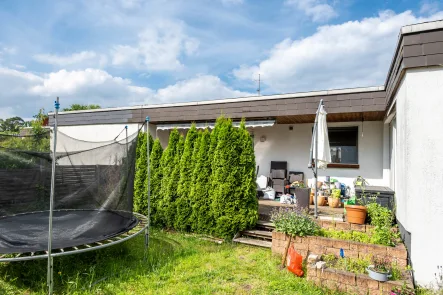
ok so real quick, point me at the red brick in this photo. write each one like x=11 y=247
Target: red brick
x=363 y=248
x=397 y=252
x=328 y=224
x=333 y=251
x=358 y=227
x=351 y=253
x=372 y=284
x=401 y=262
x=346 y=277
x=377 y=250
x=346 y=226
x=353 y=245
x=311 y=240
x=317 y=249
x=362 y=281
x=301 y=246
x=317 y=281
x=327 y=242
x=351 y=289
x=374 y=292
x=341 y=287
x=341 y=244
x=311 y=270
x=330 y=274
x=278 y=235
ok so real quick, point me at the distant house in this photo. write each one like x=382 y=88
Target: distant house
x=391 y=134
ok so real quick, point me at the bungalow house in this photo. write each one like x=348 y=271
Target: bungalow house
x=389 y=134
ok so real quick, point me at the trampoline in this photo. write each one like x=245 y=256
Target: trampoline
x=78 y=197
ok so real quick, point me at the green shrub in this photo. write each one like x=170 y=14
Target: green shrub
x=233 y=206
x=186 y=166
x=168 y=186
x=294 y=222
x=355 y=236
x=140 y=201
x=156 y=178
x=382 y=219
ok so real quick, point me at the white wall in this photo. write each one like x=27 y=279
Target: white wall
x=293 y=146
x=419 y=167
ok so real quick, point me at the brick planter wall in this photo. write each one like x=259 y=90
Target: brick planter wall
x=351 y=283
x=320 y=246
x=344 y=226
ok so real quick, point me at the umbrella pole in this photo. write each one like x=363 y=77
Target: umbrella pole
x=316 y=160
x=50 y=273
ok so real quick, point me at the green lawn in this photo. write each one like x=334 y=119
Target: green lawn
x=175 y=264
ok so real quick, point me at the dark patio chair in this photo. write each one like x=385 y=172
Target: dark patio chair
x=277 y=177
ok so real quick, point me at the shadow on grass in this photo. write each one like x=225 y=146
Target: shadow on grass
x=101 y=269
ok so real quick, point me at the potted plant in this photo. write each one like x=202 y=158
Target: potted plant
x=380 y=270
x=334 y=199
x=403 y=290
x=356 y=213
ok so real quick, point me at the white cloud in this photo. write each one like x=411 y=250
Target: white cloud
x=318 y=10
x=27 y=92
x=159 y=48
x=429 y=7
x=352 y=54
x=83 y=57
x=200 y=88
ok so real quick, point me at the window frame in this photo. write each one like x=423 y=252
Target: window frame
x=347 y=165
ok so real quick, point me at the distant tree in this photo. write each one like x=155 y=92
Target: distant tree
x=11 y=125
x=81 y=107
x=187 y=163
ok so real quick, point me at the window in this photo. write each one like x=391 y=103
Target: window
x=343 y=144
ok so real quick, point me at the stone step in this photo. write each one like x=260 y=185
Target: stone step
x=256 y=233
x=265 y=225
x=253 y=242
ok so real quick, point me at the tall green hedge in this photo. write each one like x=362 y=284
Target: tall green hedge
x=167 y=191
x=156 y=178
x=201 y=218
x=170 y=206
x=140 y=184
x=186 y=166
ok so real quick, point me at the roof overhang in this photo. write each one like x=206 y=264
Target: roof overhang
x=249 y=124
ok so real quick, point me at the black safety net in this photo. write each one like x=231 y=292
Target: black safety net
x=93 y=196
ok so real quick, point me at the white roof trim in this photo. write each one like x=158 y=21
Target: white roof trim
x=421 y=27
x=239 y=99
x=249 y=124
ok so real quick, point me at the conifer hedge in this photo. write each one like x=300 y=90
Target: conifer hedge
x=140 y=183
x=205 y=183
x=186 y=167
x=201 y=218
x=156 y=178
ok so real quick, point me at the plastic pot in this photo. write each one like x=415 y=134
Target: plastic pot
x=334 y=202
x=378 y=276
x=321 y=201
x=356 y=214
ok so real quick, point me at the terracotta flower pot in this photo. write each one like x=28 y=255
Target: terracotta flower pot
x=334 y=202
x=356 y=214
x=311 y=199
x=321 y=201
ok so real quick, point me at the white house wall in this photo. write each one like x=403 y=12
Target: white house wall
x=282 y=144
x=419 y=167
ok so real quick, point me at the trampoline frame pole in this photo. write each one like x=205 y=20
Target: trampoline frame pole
x=50 y=273
x=147 y=230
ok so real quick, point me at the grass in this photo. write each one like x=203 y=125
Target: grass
x=175 y=264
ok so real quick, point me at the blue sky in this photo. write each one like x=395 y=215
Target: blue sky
x=128 y=52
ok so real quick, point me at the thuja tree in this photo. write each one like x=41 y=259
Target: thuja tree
x=156 y=178
x=167 y=165
x=169 y=205
x=187 y=163
x=201 y=218
x=248 y=205
x=233 y=175
x=140 y=188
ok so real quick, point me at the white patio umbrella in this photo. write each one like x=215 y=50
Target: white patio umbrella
x=320 y=154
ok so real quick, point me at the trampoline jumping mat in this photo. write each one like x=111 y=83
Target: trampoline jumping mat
x=28 y=232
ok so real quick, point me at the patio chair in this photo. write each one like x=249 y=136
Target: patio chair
x=277 y=176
